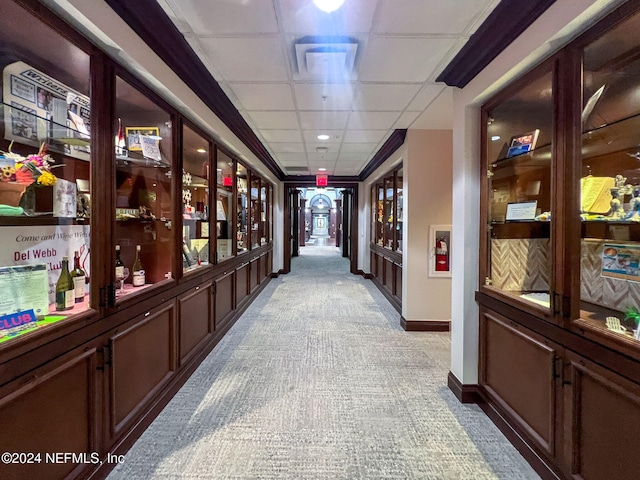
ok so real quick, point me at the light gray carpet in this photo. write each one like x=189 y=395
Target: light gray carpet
x=317 y=380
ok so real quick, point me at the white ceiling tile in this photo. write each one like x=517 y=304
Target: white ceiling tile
x=292 y=158
x=287 y=147
x=372 y=120
x=322 y=158
x=406 y=119
x=414 y=17
x=364 y=136
x=324 y=97
x=361 y=148
x=438 y=115
x=311 y=137
x=246 y=59
x=255 y=96
x=352 y=158
x=323 y=120
x=305 y=18
x=426 y=96
x=274 y=120
x=403 y=59
x=281 y=136
x=384 y=97
x=246 y=16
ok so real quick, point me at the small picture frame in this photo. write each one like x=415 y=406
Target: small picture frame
x=134 y=143
x=440 y=251
x=523 y=143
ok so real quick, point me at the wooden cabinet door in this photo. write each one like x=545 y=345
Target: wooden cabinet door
x=518 y=372
x=195 y=320
x=242 y=283
x=143 y=361
x=602 y=422
x=223 y=300
x=53 y=409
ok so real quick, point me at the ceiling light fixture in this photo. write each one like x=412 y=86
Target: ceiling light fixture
x=323 y=137
x=328 y=5
x=322 y=169
x=201 y=150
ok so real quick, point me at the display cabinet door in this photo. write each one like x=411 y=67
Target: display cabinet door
x=224 y=208
x=242 y=208
x=399 y=210
x=609 y=190
x=143 y=243
x=195 y=200
x=46 y=171
x=517 y=200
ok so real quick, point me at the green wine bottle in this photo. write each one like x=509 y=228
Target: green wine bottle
x=79 y=278
x=138 y=270
x=64 y=288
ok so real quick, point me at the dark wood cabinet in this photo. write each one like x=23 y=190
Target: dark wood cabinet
x=559 y=289
x=195 y=329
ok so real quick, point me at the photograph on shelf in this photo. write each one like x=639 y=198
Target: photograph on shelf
x=522 y=143
x=133 y=134
x=440 y=251
x=621 y=261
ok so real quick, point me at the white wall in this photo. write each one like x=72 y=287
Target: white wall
x=427 y=193
x=554 y=29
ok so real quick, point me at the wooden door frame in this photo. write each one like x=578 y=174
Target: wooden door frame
x=353 y=248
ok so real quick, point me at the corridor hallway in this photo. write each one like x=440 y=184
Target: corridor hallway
x=317 y=380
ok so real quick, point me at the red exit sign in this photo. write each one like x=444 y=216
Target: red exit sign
x=322 y=180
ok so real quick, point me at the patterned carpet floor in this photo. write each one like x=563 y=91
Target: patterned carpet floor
x=317 y=380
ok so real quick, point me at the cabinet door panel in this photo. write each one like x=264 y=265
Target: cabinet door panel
x=223 y=300
x=518 y=371
x=264 y=266
x=195 y=322
x=255 y=273
x=398 y=290
x=605 y=421
x=242 y=278
x=57 y=413
x=388 y=274
x=143 y=362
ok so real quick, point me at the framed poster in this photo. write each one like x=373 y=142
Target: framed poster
x=133 y=134
x=522 y=143
x=440 y=251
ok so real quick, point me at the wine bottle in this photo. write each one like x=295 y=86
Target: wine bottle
x=79 y=278
x=64 y=288
x=119 y=264
x=138 y=270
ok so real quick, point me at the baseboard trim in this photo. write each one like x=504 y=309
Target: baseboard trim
x=501 y=420
x=275 y=274
x=464 y=393
x=367 y=276
x=425 y=325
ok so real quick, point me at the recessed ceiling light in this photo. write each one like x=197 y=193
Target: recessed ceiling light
x=323 y=137
x=201 y=150
x=495 y=138
x=322 y=169
x=328 y=5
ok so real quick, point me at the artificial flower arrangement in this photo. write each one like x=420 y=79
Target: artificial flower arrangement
x=33 y=169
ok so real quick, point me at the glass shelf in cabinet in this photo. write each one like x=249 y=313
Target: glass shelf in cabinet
x=540 y=156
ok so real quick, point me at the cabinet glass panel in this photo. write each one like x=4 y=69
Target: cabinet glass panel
x=263 y=215
x=45 y=167
x=224 y=206
x=254 y=222
x=610 y=184
x=379 y=215
x=195 y=200
x=518 y=150
x=388 y=212
x=241 y=208
x=270 y=202
x=399 y=216
x=143 y=199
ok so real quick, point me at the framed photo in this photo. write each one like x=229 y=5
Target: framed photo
x=440 y=251
x=134 y=142
x=523 y=143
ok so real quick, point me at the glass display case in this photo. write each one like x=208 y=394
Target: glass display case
x=224 y=206
x=195 y=200
x=399 y=205
x=45 y=173
x=242 y=208
x=610 y=185
x=389 y=195
x=379 y=202
x=263 y=214
x=255 y=211
x=143 y=199
x=518 y=140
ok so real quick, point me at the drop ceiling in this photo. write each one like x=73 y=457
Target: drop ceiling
x=356 y=75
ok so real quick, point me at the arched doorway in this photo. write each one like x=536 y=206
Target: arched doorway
x=320 y=208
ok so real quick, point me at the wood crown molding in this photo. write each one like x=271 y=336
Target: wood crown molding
x=503 y=25
x=394 y=142
x=151 y=23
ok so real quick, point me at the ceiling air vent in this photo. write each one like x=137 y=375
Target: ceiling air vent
x=325 y=57
x=297 y=170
